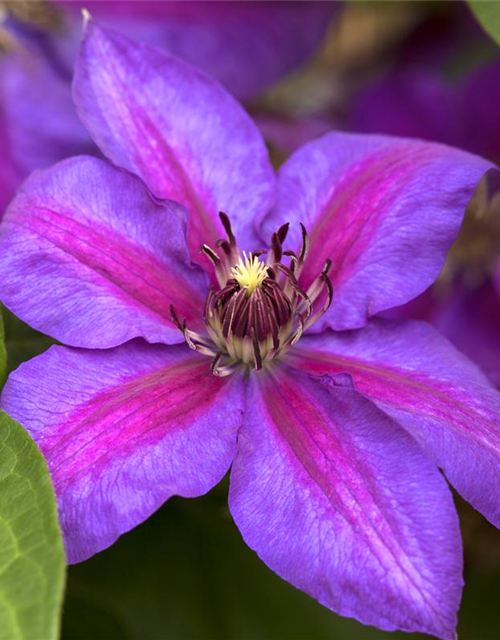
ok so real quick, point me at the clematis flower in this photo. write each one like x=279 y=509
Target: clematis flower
x=251 y=354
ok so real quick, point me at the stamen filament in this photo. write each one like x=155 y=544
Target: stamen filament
x=260 y=309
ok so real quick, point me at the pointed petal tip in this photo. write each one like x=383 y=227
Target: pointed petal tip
x=443 y=630
x=446 y=633
x=452 y=411
x=131 y=114
x=304 y=521
x=86 y=17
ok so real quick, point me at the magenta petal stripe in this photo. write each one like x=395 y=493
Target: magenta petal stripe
x=337 y=499
x=87 y=256
x=123 y=430
x=384 y=210
x=441 y=398
x=180 y=131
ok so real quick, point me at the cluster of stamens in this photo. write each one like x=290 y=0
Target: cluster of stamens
x=260 y=310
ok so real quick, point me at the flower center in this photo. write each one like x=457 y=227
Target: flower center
x=260 y=309
x=249 y=273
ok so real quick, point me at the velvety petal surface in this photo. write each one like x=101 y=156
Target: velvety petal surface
x=179 y=130
x=440 y=397
x=245 y=45
x=123 y=430
x=384 y=210
x=90 y=258
x=337 y=499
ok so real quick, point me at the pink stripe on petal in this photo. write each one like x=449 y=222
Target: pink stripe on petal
x=127 y=270
x=348 y=222
x=161 y=168
x=88 y=257
x=334 y=497
x=432 y=390
x=142 y=408
x=123 y=430
x=179 y=130
x=384 y=210
x=182 y=183
x=413 y=391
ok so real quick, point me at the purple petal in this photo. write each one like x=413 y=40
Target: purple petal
x=180 y=131
x=88 y=257
x=123 y=431
x=341 y=502
x=441 y=398
x=246 y=46
x=384 y=210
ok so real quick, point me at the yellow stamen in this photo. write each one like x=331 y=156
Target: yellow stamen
x=249 y=272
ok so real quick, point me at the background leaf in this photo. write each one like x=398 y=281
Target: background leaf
x=32 y=562
x=3 y=354
x=21 y=341
x=487 y=13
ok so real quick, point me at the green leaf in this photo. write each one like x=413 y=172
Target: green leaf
x=32 y=563
x=487 y=13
